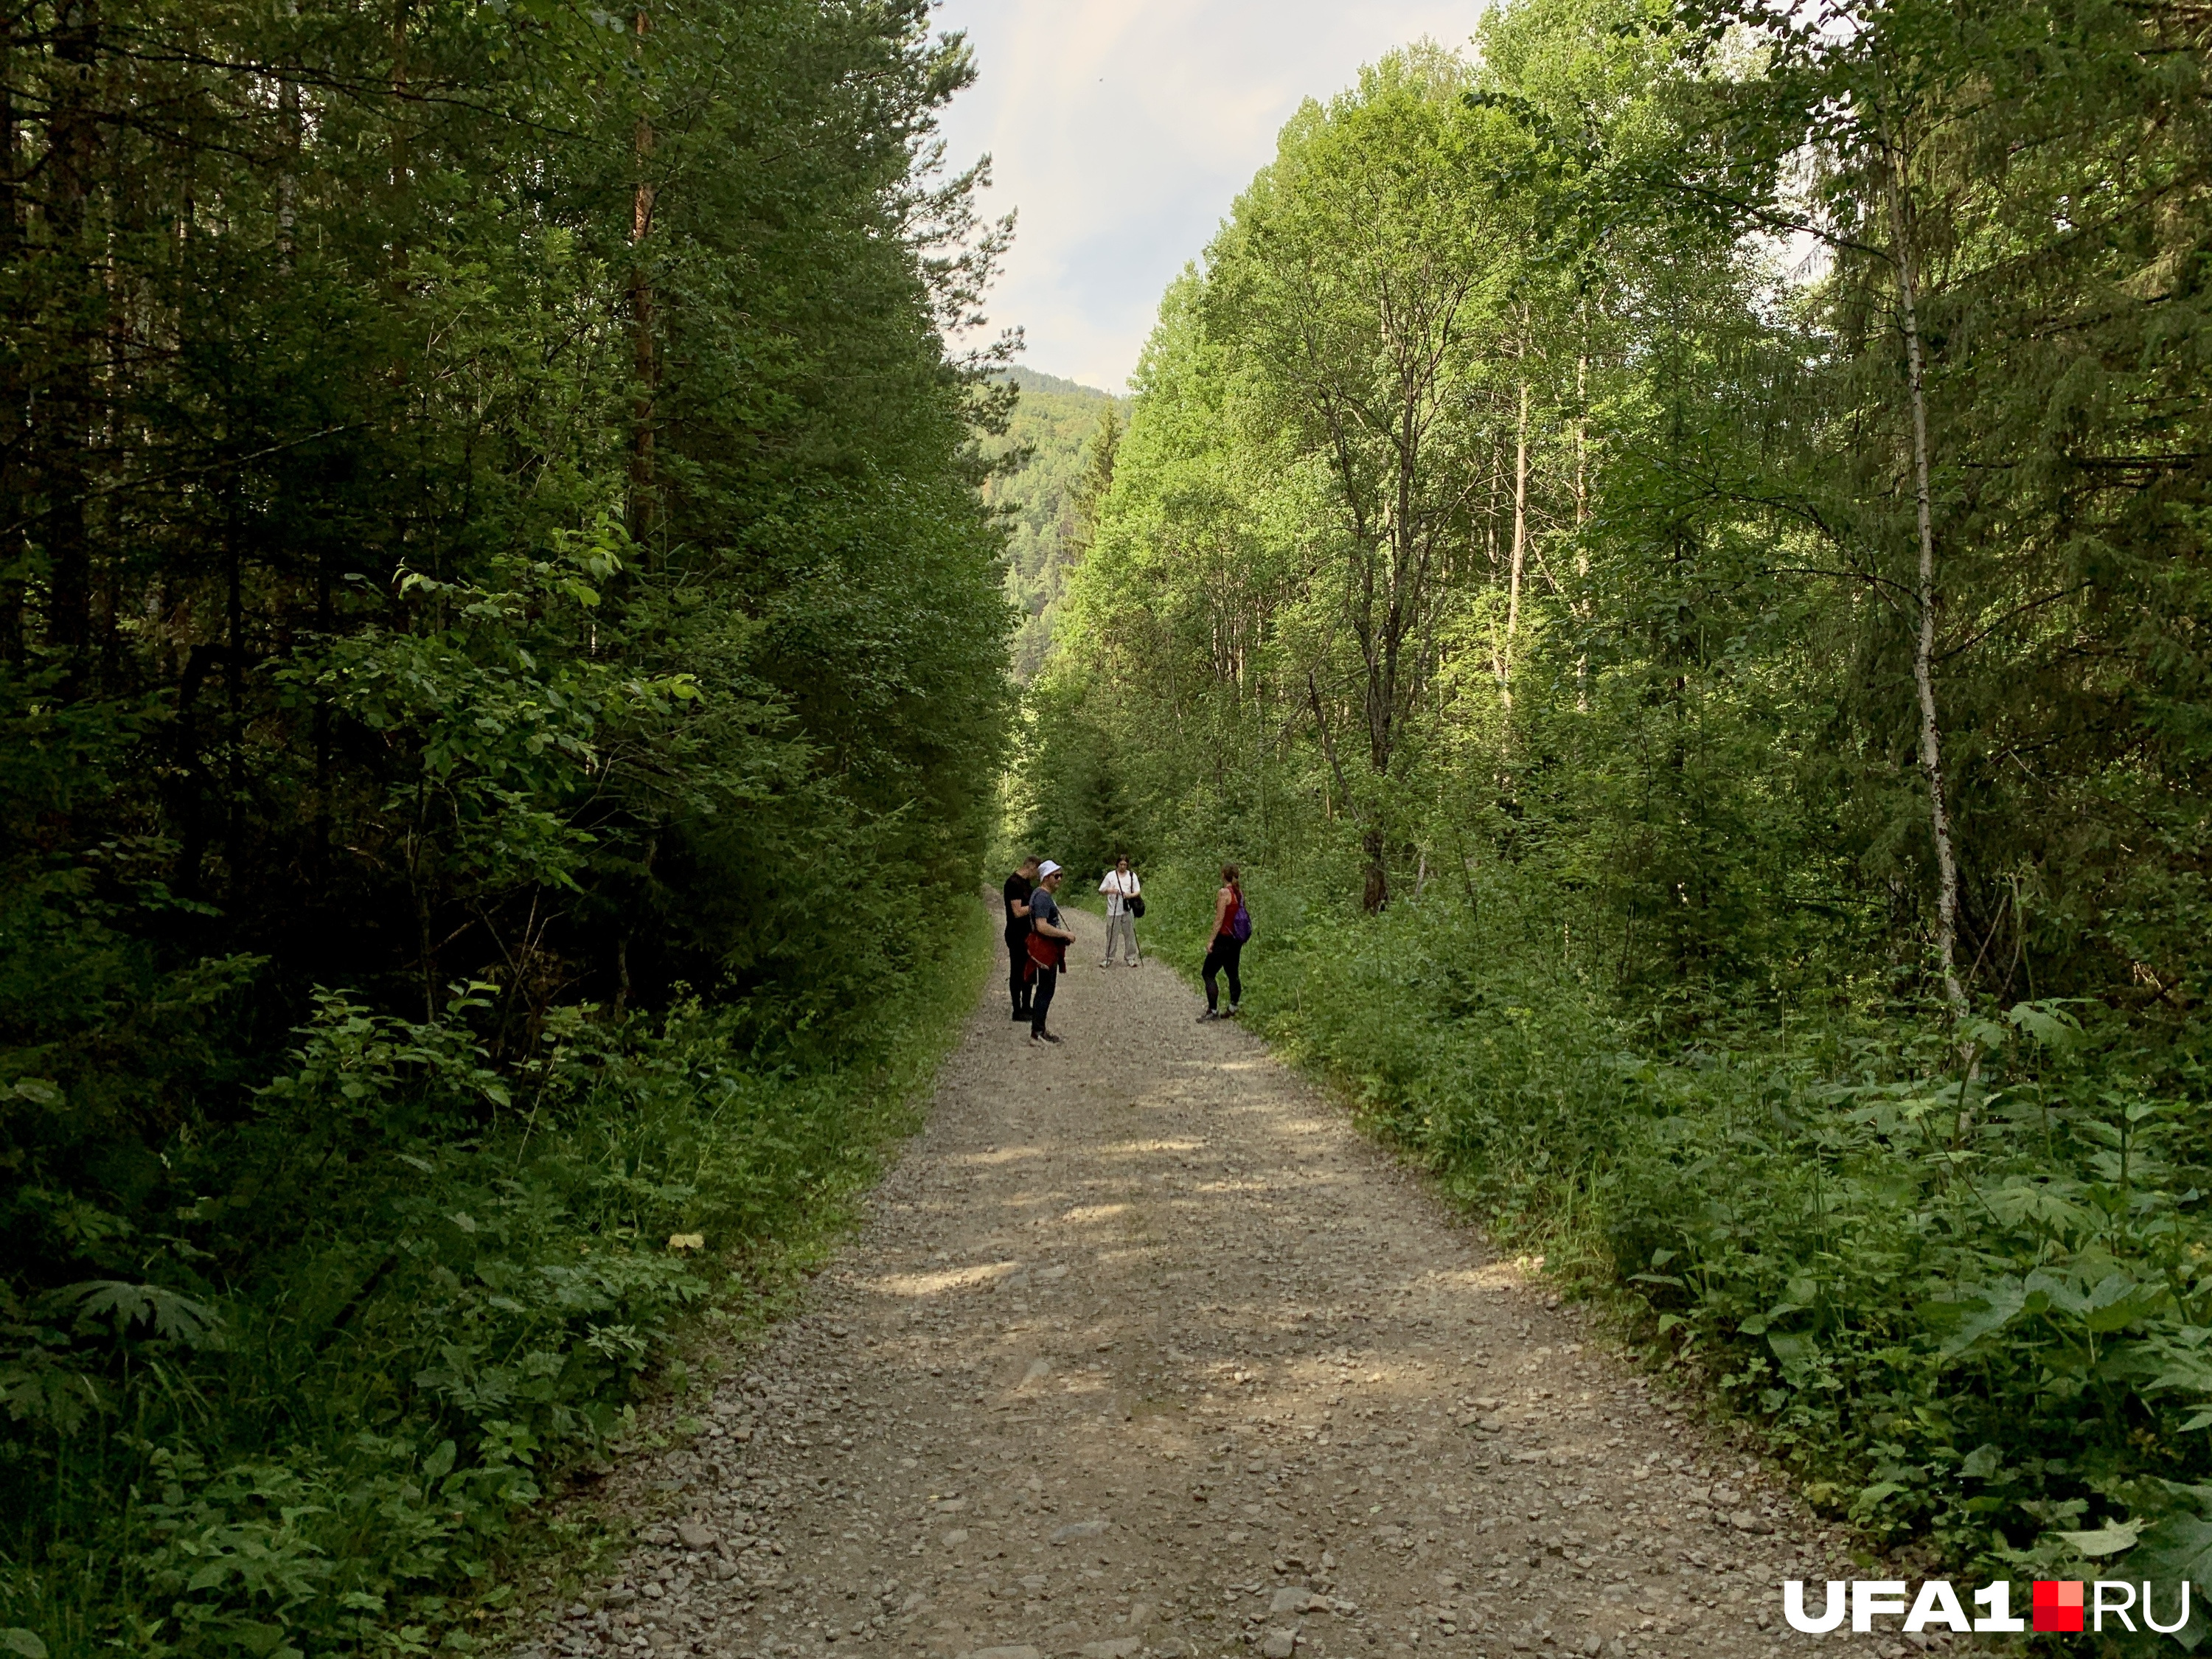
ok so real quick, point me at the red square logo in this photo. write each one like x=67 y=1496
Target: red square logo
x=2058 y=1604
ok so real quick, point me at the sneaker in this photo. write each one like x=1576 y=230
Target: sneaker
x=1042 y=1036
x=1208 y=1014
x=1021 y=1015
x=1108 y=963
x=1231 y=1013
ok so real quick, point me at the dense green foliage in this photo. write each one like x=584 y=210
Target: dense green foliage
x=1673 y=546
x=502 y=669
x=1060 y=434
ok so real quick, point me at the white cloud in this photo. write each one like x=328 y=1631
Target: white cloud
x=1121 y=130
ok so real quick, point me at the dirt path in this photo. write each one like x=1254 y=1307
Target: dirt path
x=1144 y=1351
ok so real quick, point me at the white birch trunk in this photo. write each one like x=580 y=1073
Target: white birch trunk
x=1923 y=650
x=1519 y=561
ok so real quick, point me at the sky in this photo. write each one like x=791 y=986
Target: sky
x=1121 y=130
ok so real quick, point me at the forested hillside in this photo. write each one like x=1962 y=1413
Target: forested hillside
x=1060 y=441
x=1672 y=544
x=494 y=585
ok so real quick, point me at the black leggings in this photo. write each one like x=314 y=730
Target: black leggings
x=1040 y=997
x=1227 y=953
x=1017 y=980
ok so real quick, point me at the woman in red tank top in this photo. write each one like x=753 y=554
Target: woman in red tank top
x=1231 y=929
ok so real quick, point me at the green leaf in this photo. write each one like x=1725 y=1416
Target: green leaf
x=17 y=1639
x=2179 y=1547
x=2047 y=1022
x=177 y=1317
x=2108 y=1539
x=1791 y=1347
x=1985 y=1312
x=2121 y=1300
x=1981 y=1463
x=440 y=1463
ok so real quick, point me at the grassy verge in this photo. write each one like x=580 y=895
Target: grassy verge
x=413 y=1288
x=1975 y=1318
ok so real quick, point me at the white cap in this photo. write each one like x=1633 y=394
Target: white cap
x=1047 y=868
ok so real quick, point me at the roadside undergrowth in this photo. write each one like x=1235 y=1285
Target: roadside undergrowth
x=764 y=1279
x=1974 y=1319
x=415 y=1292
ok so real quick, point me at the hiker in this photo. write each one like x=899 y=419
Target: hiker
x=1047 y=947
x=1123 y=907
x=1232 y=926
x=1017 y=895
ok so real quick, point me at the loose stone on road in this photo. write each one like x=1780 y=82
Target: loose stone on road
x=1143 y=1351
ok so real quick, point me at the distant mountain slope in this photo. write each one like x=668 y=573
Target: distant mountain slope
x=1030 y=379
x=1057 y=419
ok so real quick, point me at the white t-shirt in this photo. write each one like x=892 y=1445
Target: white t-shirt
x=1117 y=887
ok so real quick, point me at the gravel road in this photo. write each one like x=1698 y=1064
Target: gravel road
x=1143 y=1351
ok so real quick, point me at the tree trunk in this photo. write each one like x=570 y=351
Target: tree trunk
x=1582 y=455
x=1376 y=888
x=75 y=140
x=1581 y=518
x=1382 y=745
x=1518 y=565
x=11 y=230
x=13 y=410
x=642 y=513
x=402 y=165
x=233 y=628
x=320 y=852
x=1493 y=464
x=1924 y=649
x=288 y=181
x=1375 y=896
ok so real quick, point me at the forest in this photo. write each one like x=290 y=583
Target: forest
x=502 y=682
x=1669 y=541
x=1670 y=544
x=1051 y=449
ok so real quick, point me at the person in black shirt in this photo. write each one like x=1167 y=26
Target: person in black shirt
x=1017 y=889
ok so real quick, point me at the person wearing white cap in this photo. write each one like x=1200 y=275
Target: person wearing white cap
x=1048 y=944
